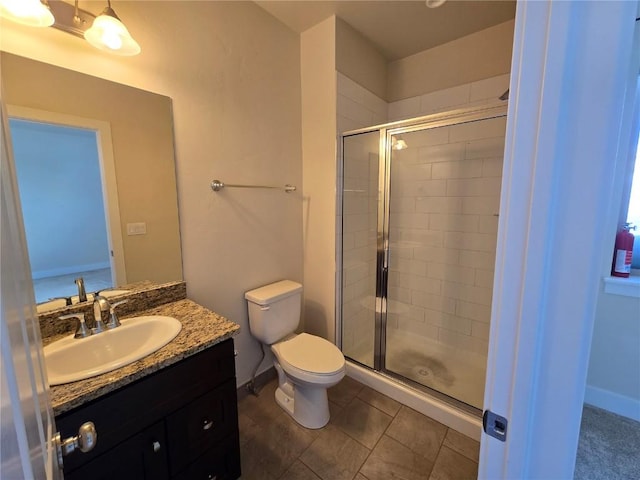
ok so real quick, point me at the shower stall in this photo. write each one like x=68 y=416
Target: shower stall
x=420 y=201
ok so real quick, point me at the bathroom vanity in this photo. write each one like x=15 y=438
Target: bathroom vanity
x=171 y=415
x=179 y=423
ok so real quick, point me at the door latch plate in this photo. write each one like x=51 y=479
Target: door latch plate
x=495 y=425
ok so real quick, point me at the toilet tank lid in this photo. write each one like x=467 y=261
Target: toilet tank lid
x=273 y=292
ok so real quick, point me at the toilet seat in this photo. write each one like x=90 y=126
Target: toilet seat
x=310 y=358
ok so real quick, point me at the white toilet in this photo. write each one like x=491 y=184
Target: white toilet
x=306 y=364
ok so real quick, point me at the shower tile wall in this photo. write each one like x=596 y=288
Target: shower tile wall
x=461 y=96
x=445 y=194
x=357 y=107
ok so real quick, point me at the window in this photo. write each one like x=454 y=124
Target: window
x=633 y=213
x=630 y=213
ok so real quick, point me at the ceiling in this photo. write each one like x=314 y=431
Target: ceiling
x=397 y=28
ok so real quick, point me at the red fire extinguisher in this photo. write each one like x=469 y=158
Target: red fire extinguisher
x=623 y=251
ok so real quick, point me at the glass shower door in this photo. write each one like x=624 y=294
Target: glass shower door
x=359 y=245
x=444 y=192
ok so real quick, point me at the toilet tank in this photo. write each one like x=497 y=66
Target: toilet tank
x=274 y=310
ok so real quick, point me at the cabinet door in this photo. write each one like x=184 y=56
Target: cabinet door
x=203 y=423
x=141 y=457
x=221 y=462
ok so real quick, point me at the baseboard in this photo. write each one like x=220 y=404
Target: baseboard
x=261 y=380
x=68 y=270
x=613 y=402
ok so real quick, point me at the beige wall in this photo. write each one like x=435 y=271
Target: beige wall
x=359 y=60
x=475 y=57
x=318 y=74
x=615 y=355
x=233 y=73
x=142 y=135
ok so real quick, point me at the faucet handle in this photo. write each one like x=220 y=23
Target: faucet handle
x=100 y=304
x=114 y=321
x=114 y=305
x=82 y=330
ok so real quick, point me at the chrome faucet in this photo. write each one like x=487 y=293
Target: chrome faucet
x=82 y=293
x=100 y=305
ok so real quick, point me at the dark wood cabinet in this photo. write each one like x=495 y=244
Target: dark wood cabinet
x=141 y=457
x=178 y=423
x=215 y=464
x=201 y=425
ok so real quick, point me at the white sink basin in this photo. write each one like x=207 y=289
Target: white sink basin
x=71 y=359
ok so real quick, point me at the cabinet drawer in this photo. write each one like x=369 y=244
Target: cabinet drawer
x=141 y=457
x=197 y=427
x=221 y=462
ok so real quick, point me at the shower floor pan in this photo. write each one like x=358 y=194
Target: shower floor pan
x=448 y=370
x=451 y=371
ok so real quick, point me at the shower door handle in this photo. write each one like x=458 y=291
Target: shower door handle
x=382 y=292
x=385 y=280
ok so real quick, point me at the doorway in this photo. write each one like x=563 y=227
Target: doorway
x=66 y=204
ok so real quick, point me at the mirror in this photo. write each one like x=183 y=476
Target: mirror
x=140 y=127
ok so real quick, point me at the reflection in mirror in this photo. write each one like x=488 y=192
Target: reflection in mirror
x=132 y=127
x=60 y=183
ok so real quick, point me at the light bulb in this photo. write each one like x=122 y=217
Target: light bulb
x=111 y=39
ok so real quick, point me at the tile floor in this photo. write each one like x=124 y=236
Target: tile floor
x=369 y=437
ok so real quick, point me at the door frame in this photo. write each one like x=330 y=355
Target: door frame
x=450 y=118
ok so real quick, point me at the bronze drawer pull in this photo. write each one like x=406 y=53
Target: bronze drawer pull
x=207 y=424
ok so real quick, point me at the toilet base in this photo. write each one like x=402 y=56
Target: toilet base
x=307 y=405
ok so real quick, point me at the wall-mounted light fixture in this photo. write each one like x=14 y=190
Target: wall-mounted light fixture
x=109 y=33
x=105 y=32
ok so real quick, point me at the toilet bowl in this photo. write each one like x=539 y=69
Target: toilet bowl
x=306 y=364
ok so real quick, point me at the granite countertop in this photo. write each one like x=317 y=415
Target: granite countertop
x=201 y=328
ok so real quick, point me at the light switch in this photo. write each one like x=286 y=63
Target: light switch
x=136 y=228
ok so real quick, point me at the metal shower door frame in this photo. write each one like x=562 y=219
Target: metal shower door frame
x=385 y=159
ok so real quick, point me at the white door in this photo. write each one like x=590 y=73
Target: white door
x=573 y=72
x=27 y=419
